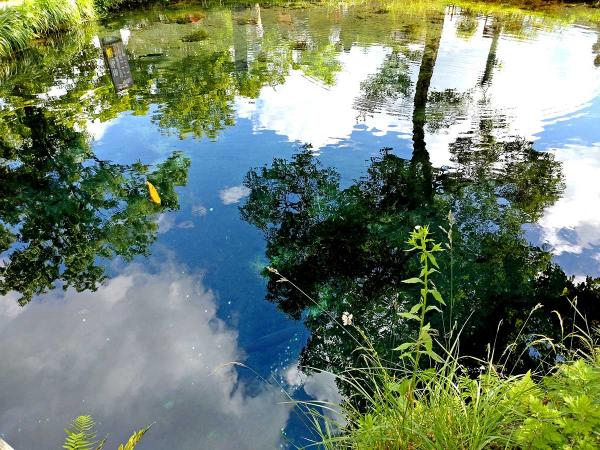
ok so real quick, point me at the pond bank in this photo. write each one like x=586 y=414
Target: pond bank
x=22 y=22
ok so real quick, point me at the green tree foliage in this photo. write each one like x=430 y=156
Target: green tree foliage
x=61 y=208
x=390 y=83
x=320 y=62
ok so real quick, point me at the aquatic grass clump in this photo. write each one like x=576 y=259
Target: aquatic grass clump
x=34 y=19
x=195 y=36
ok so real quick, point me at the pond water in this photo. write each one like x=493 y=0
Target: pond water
x=135 y=312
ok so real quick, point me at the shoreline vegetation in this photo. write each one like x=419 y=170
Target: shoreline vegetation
x=23 y=23
x=431 y=398
x=434 y=397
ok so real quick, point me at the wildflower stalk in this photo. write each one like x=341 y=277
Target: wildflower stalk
x=420 y=241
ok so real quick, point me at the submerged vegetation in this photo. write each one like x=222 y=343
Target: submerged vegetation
x=195 y=36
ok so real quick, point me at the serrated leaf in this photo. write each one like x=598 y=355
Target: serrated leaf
x=436 y=294
x=415 y=308
x=135 y=438
x=407 y=315
x=432 y=308
x=413 y=281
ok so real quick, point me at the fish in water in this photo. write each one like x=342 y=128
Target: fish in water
x=154 y=197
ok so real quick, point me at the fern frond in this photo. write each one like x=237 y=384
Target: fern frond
x=134 y=440
x=77 y=441
x=81 y=434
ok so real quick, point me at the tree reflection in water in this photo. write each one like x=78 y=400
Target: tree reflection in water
x=61 y=208
x=344 y=247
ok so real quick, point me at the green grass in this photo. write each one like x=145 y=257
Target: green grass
x=33 y=19
x=449 y=409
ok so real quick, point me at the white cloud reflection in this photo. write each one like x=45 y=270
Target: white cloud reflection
x=572 y=224
x=142 y=349
x=305 y=110
x=233 y=194
x=321 y=386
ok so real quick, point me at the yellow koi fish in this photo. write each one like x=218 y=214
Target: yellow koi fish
x=154 y=197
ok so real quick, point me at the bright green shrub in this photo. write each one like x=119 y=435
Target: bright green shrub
x=564 y=412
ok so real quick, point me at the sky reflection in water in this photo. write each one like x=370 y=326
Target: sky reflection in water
x=147 y=346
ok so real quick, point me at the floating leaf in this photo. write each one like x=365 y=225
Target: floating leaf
x=154 y=197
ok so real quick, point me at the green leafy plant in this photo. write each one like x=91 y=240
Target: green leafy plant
x=81 y=435
x=564 y=410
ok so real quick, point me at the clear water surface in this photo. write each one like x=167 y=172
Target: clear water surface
x=161 y=300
